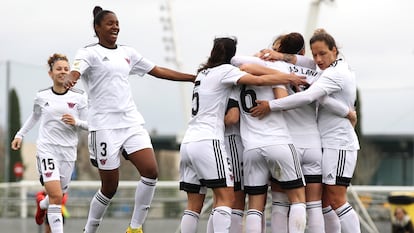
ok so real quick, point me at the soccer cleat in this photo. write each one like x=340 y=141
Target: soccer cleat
x=40 y=214
x=135 y=230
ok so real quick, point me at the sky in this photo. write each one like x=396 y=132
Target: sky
x=375 y=36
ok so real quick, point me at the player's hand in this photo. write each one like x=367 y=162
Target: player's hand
x=69 y=81
x=261 y=110
x=68 y=119
x=298 y=82
x=270 y=55
x=353 y=118
x=16 y=143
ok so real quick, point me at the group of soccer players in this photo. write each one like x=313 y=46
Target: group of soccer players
x=298 y=138
x=255 y=123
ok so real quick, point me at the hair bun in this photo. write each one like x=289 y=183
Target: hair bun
x=319 y=31
x=97 y=10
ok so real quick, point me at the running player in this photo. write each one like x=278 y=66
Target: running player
x=65 y=213
x=115 y=125
x=204 y=162
x=61 y=113
x=339 y=140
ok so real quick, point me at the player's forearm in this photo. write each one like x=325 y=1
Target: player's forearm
x=304 y=61
x=296 y=100
x=81 y=124
x=27 y=126
x=169 y=74
x=289 y=58
x=335 y=106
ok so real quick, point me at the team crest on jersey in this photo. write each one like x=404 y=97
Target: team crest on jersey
x=71 y=105
x=127 y=60
x=48 y=174
x=102 y=161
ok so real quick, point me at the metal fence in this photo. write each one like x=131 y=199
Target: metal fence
x=17 y=200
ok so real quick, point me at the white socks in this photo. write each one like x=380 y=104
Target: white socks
x=332 y=224
x=97 y=209
x=254 y=221
x=189 y=222
x=143 y=198
x=280 y=212
x=54 y=215
x=348 y=218
x=315 y=223
x=297 y=218
x=236 y=221
x=222 y=219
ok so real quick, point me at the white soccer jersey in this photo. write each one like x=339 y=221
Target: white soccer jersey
x=338 y=82
x=210 y=96
x=49 y=108
x=301 y=121
x=255 y=132
x=105 y=74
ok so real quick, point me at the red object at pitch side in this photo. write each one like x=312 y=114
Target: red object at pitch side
x=18 y=169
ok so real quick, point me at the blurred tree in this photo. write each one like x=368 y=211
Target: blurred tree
x=2 y=154
x=369 y=156
x=14 y=124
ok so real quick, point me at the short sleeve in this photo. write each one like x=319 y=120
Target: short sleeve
x=82 y=61
x=139 y=64
x=232 y=74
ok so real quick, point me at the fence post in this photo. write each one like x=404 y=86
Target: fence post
x=23 y=197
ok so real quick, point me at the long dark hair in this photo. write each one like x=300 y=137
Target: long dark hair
x=224 y=49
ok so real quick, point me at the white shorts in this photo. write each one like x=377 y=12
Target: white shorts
x=234 y=149
x=338 y=166
x=105 y=146
x=50 y=167
x=278 y=162
x=204 y=164
x=311 y=162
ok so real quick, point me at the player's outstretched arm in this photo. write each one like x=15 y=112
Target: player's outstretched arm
x=169 y=74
